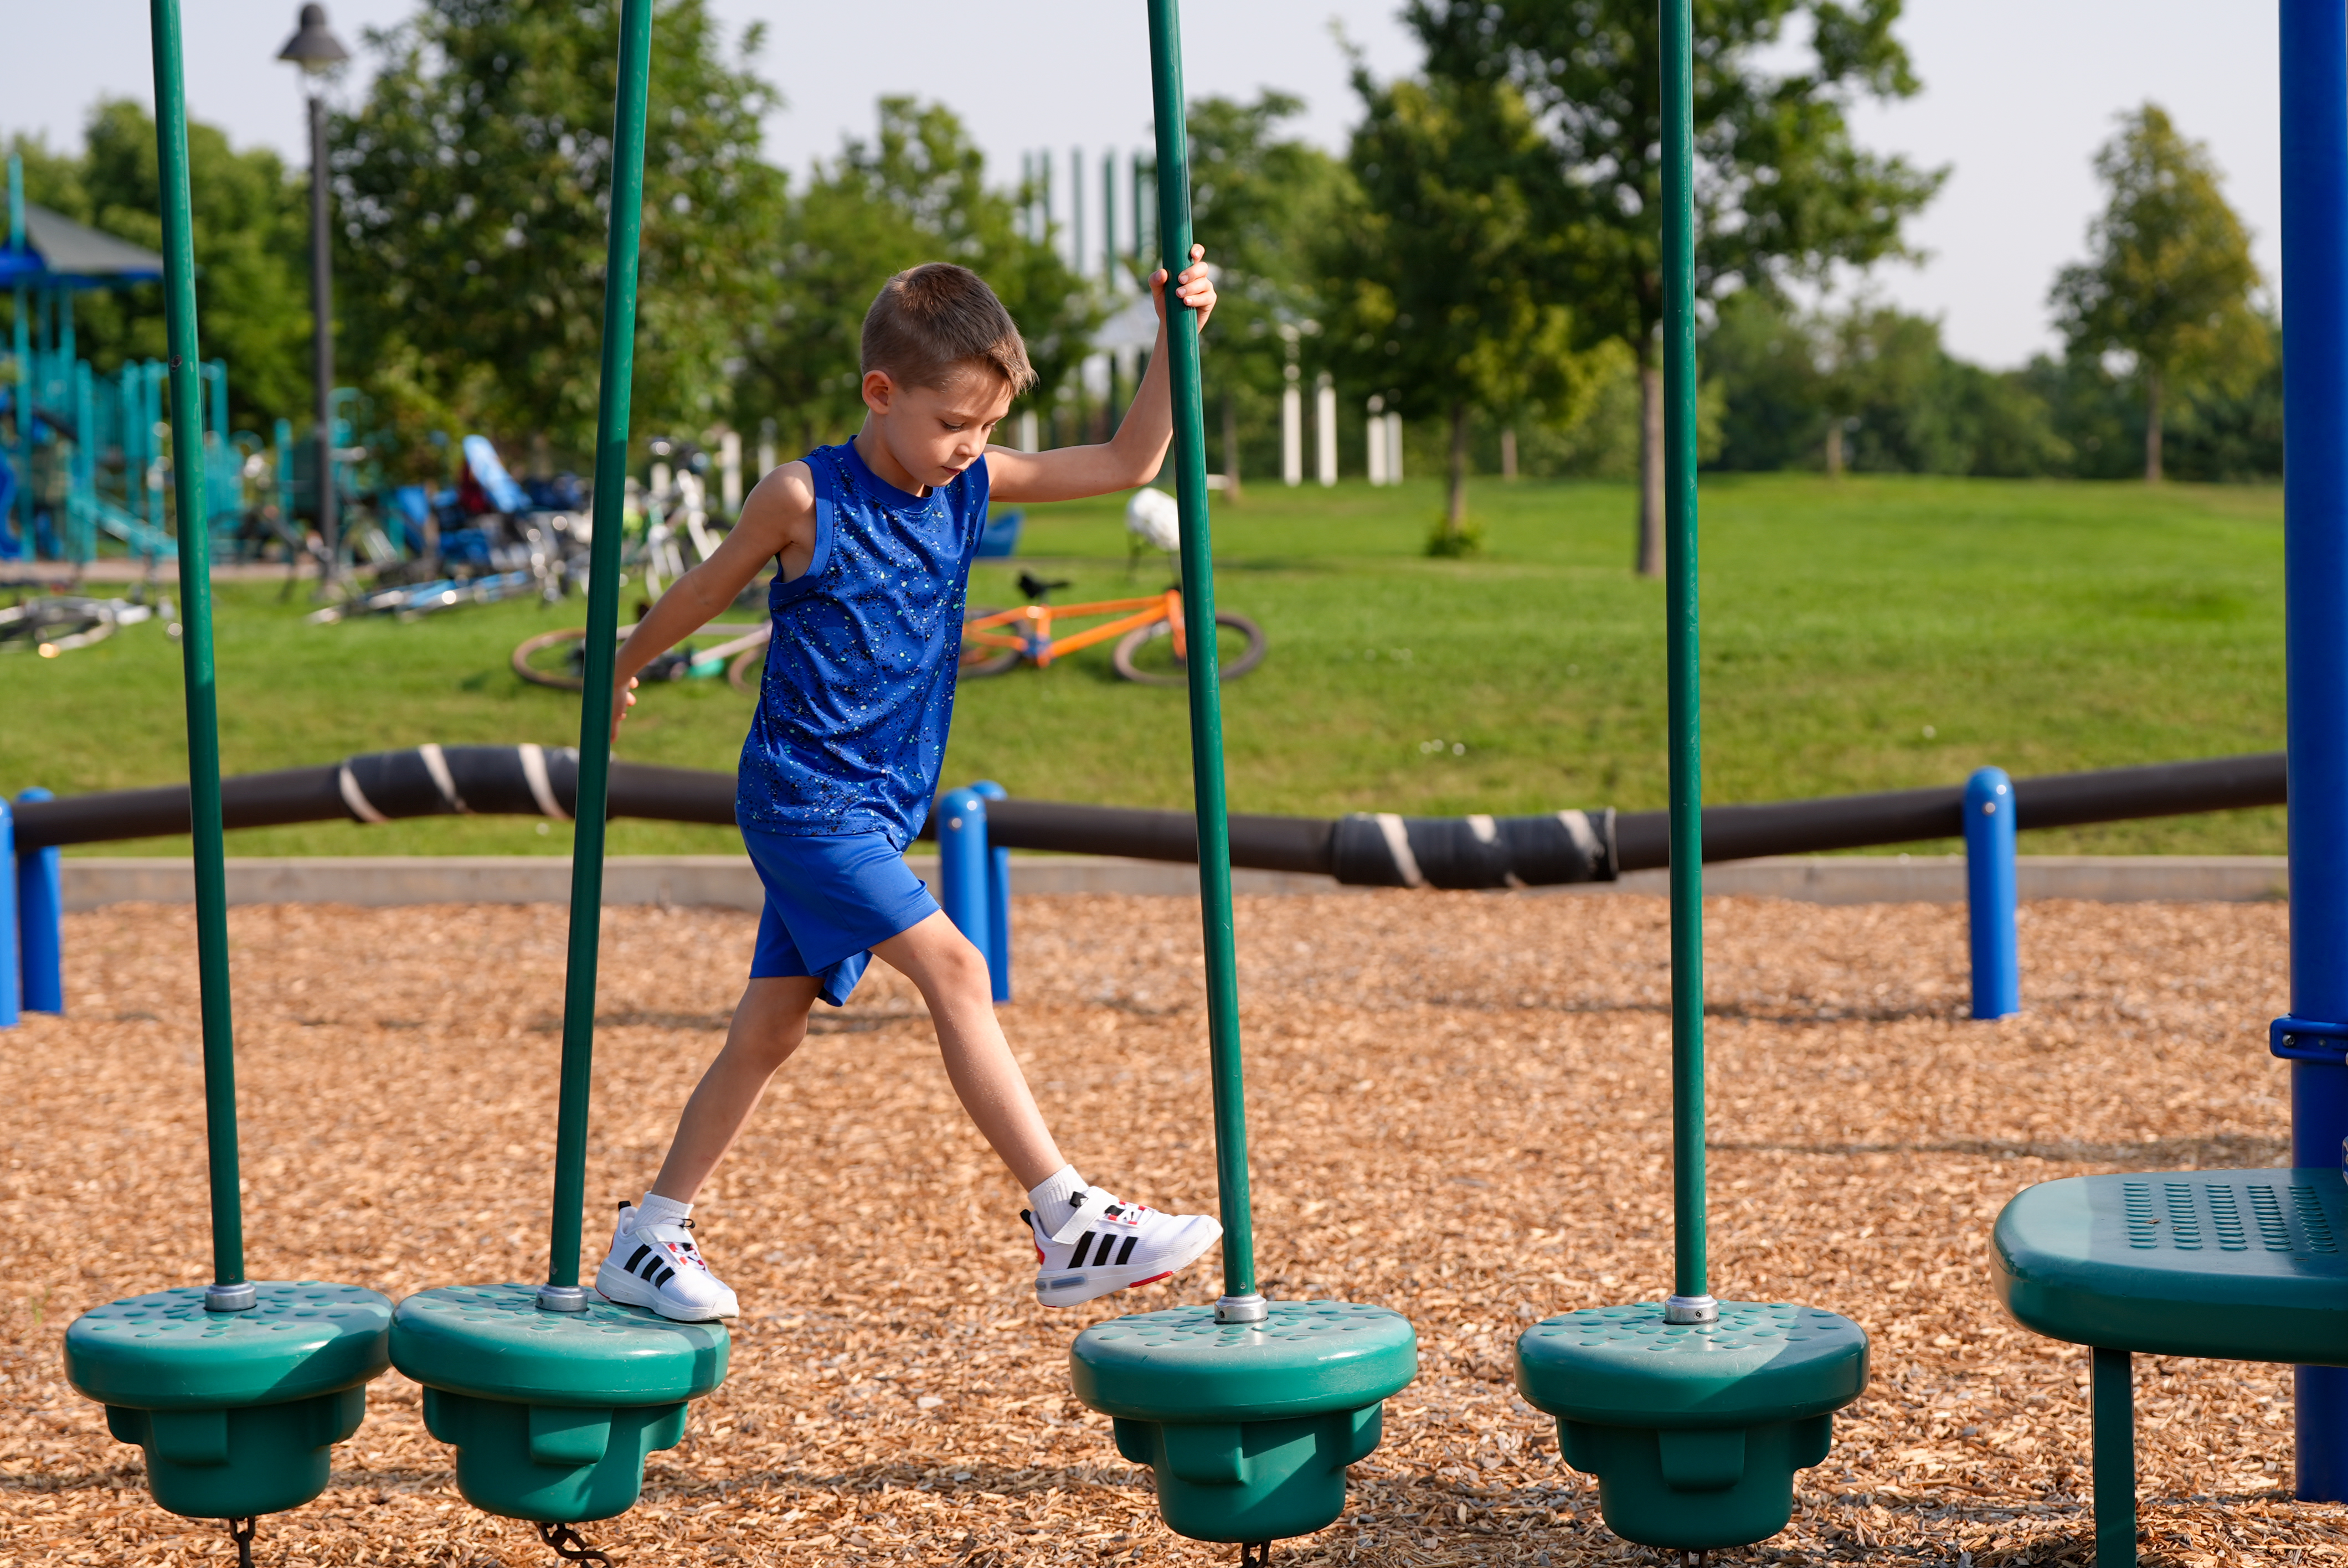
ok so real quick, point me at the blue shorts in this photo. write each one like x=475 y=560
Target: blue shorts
x=829 y=900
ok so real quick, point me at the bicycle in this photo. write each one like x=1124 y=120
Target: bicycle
x=54 y=624
x=558 y=659
x=1150 y=636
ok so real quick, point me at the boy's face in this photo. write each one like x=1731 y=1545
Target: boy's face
x=936 y=432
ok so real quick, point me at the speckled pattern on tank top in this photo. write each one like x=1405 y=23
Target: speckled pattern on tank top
x=858 y=688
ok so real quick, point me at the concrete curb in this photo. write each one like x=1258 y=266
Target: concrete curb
x=727 y=882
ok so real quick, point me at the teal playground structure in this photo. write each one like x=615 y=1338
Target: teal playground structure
x=94 y=453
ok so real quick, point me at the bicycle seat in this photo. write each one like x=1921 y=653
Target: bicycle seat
x=1037 y=587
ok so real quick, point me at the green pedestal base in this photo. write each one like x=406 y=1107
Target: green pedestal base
x=1694 y=1432
x=557 y=1464
x=236 y=1412
x=1247 y=1427
x=552 y=1414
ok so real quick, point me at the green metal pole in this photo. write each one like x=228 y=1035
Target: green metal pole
x=1691 y=1296
x=1241 y=1304
x=563 y=1293
x=230 y=1292
x=2112 y=1403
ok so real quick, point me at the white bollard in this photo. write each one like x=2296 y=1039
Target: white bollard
x=729 y=474
x=1324 y=429
x=1393 y=447
x=1292 y=436
x=766 y=447
x=1376 y=441
x=1028 y=440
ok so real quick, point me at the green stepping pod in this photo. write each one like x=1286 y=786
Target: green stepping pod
x=1249 y=1427
x=236 y=1410
x=1693 y=1430
x=552 y=1414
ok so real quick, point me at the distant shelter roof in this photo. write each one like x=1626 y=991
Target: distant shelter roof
x=62 y=253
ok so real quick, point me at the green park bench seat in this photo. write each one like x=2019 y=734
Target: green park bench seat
x=2239 y=1266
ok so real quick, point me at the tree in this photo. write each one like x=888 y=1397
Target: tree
x=252 y=239
x=2169 y=280
x=1432 y=268
x=1781 y=188
x=1260 y=202
x=916 y=192
x=473 y=189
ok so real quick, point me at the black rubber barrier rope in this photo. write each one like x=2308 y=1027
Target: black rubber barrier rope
x=1372 y=850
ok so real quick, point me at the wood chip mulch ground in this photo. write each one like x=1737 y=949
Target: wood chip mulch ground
x=1459 y=1112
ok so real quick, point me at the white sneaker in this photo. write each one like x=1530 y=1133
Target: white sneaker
x=659 y=1267
x=1108 y=1245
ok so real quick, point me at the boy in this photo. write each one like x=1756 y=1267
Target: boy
x=873 y=541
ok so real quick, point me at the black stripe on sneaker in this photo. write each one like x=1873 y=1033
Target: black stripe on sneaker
x=663 y=1276
x=1077 y=1258
x=638 y=1257
x=1127 y=1250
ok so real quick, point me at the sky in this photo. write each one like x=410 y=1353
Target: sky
x=2017 y=95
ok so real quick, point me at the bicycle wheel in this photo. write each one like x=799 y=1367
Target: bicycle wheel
x=988 y=657
x=1147 y=653
x=557 y=658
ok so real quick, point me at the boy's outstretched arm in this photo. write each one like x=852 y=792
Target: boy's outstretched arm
x=1133 y=455
x=778 y=521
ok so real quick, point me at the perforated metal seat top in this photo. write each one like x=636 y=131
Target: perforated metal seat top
x=493 y=1341
x=1305 y=1358
x=1626 y=1365
x=163 y=1352
x=2245 y=1265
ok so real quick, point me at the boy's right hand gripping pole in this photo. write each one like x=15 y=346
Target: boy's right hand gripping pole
x=1240 y=1303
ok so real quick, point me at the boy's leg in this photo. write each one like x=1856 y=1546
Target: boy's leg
x=768 y=1025
x=1088 y=1241
x=952 y=975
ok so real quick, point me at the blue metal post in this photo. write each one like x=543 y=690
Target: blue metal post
x=1990 y=893
x=962 y=864
x=10 y=989
x=40 y=923
x=2315 y=141
x=998 y=900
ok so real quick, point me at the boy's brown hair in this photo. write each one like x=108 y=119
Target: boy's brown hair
x=929 y=319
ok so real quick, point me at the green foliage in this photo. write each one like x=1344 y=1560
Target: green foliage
x=2171 y=279
x=1261 y=202
x=1904 y=405
x=473 y=187
x=251 y=231
x=1781 y=187
x=916 y=192
x=1433 y=272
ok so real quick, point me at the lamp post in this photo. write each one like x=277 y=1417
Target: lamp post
x=318 y=51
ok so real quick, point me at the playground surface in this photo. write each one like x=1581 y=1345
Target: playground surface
x=1460 y=1109
x=1867 y=634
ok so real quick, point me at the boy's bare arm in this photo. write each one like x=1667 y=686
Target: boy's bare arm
x=778 y=521
x=1134 y=453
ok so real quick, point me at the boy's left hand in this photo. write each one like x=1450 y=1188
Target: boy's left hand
x=1194 y=288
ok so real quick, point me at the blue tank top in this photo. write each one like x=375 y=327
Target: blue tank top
x=859 y=690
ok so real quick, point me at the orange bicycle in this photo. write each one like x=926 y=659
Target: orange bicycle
x=1151 y=646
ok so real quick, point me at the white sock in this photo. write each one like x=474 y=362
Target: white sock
x=656 y=1210
x=1055 y=1201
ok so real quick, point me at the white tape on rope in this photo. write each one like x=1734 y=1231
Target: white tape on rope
x=541 y=789
x=436 y=764
x=1484 y=829
x=355 y=797
x=1397 y=838
x=1585 y=837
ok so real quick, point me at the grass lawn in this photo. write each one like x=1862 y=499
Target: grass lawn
x=1869 y=633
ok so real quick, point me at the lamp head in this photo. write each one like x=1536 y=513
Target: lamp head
x=314 y=45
